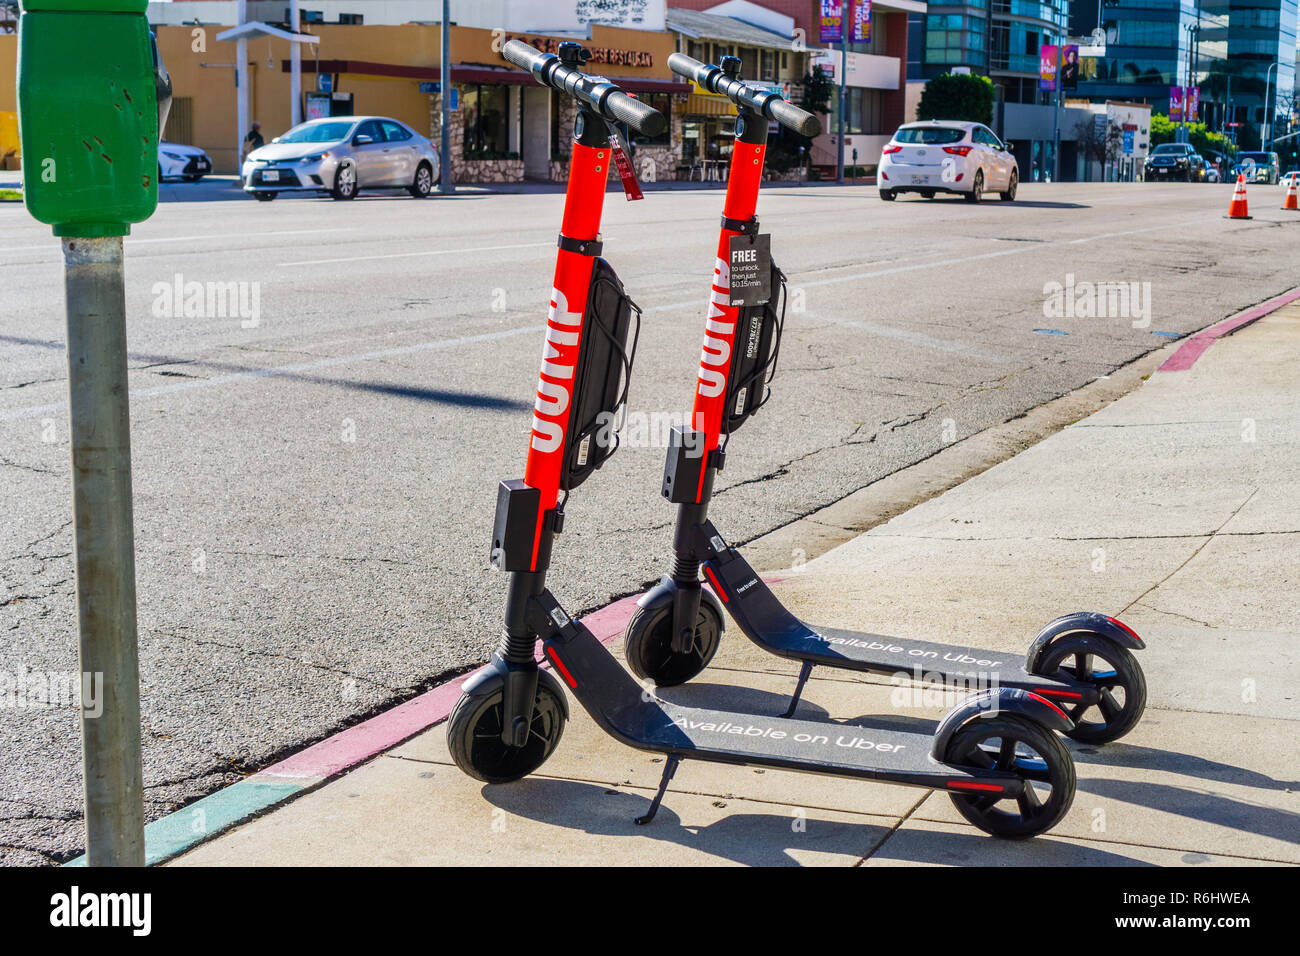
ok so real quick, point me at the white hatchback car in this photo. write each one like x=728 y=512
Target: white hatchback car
x=947 y=156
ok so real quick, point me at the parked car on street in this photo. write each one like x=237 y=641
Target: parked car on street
x=1290 y=176
x=341 y=155
x=941 y=156
x=182 y=162
x=1258 y=167
x=1171 y=162
x=1202 y=171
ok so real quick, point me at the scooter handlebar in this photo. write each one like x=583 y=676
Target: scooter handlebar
x=646 y=120
x=739 y=92
x=527 y=56
x=792 y=117
x=600 y=94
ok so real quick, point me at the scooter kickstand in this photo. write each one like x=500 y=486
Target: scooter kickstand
x=670 y=768
x=798 y=688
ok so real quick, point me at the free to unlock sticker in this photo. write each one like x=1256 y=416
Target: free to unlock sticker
x=751 y=270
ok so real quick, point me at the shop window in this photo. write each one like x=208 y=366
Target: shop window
x=352 y=19
x=486 y=112
x=767 y=67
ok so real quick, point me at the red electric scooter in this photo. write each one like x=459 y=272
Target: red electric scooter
x=994 y=754
x=1081 y=661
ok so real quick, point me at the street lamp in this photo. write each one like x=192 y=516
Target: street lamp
x=1268 y=117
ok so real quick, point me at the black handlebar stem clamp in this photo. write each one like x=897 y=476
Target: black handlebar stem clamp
x=573 y=55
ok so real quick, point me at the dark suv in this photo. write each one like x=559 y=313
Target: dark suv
x=1172 y=161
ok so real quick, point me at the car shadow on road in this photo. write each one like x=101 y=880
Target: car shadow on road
x=991 y=203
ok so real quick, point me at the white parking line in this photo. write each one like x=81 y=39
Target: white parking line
x=424 y=252
x=131 y=241
x=33 y=410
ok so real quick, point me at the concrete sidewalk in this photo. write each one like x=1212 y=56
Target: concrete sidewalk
x=1176 y=508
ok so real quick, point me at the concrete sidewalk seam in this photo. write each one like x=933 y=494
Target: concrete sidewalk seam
x=1203 y=545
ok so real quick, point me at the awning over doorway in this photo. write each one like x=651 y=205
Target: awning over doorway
x=475 y=73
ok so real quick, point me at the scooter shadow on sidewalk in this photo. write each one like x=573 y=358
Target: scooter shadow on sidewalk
x=765 y=839
x=1198 y=805
x=1121 y=754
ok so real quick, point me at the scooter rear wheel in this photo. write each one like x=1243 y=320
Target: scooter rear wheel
x=474 y=735
x=1010 y=742
x=1123 y=688
x=649 y=645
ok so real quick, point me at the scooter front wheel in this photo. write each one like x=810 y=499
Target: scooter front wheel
x=1093 y=659
x=649 y=645
x=474 y=734
x=1035 y=754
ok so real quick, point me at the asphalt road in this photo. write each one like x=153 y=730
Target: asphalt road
x=314 y=489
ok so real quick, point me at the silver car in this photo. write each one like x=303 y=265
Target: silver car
x=341 y=155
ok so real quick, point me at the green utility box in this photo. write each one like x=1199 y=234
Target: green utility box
x=88 y=86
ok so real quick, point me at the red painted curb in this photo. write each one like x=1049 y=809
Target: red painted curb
x=1192 y=349
x=384 y=731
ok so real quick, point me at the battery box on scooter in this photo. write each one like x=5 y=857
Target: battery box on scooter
x=601 y=379
x=753 y=354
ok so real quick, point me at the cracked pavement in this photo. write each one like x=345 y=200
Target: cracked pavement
x=313 y=495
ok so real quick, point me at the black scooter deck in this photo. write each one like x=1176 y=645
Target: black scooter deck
x=639 y=719
x=767 y=622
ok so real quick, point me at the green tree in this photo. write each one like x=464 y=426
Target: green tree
x=1164 y=130
x=957 y=96
x=817 y=89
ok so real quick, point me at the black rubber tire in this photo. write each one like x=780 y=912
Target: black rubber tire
x=1057 y=658
x=1012 y=184
x=263 y=196
x=1033 y=815
x=474 y=727
x=888 y=195
x=192 y=179
x=649 y=643
x=342 y=189
x=977 y=187
x=422 y=185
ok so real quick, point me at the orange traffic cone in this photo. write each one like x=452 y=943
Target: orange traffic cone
x=1238 y=208
x=1290 y=201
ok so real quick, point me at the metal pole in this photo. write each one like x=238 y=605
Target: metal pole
x=446 y=183
x=241 y=87
x=295 y=67
x=1056 y=113
x=846 y=14
x=1268 y=117
x=105 y=550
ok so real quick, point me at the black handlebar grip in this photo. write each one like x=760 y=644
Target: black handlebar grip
x=689 y=67
x=646 y=120
x=792 y=117
x=525 y=55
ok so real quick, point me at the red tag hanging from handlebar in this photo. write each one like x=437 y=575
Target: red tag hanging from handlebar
x=631 y=188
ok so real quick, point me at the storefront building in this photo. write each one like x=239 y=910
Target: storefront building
x=876 y=79
x=707 y=120
x=505 y=127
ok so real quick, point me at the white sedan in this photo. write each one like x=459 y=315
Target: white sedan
x=182 y=162
x=943 y=156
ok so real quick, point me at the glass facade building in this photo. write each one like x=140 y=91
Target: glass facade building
x=1234 y=51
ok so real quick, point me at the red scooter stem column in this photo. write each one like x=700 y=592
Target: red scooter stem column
x=720 y=327
x=584 y=202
